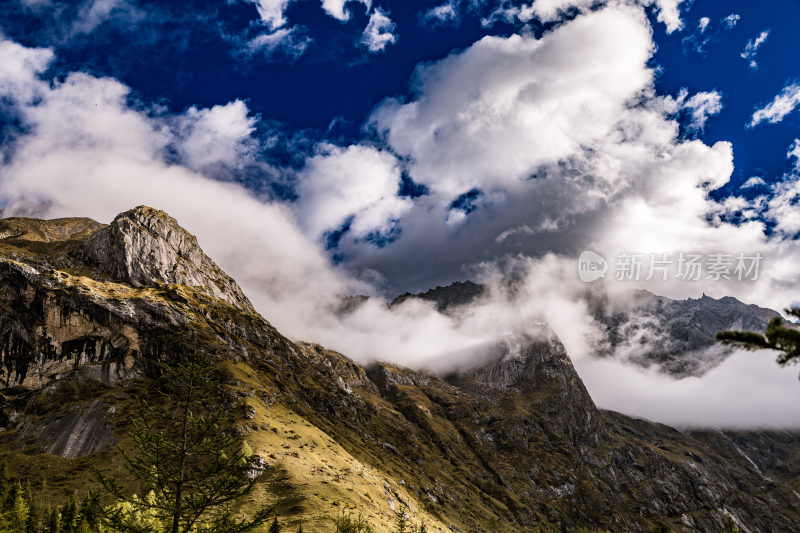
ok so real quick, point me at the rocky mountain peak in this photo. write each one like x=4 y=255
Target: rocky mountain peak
x=145 y=247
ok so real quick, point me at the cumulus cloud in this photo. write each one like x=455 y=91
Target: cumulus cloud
x=218 y=135
x=751 y=49
x=86 y=151
x=20 y=69
x=337 y=9
x=380 y=31
x=356 y=185
x=478 y=116
x=783 y=104
x=669 y=13
x=781 y=207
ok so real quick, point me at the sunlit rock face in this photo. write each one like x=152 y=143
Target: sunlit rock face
x=145 y=247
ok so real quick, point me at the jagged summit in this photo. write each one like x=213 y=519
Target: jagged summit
x=145 y=247
x=448 y=297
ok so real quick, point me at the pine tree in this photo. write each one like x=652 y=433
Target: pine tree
x=348 y=523
x=33 y=522
x=401 y=522
x=87 y=512
x=4 y=482
x=19 y=510
x=53 y=521
x=300 y=529
x=275 y=527
x=186 y=455
x=69 y=516
x=778 y=336
x=14 y=490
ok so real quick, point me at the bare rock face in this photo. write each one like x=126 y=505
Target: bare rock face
x=144 y=247
x=81 y=431
x=47 y=332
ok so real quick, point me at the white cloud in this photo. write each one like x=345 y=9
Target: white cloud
x=753 y=181
x=489 y=116
x=731 y=21
x=340 y=183
x=272 y=12
x=336 y=8
x=794 y=152
x=702 y=106
x=668 y=11
x=725 y=397
x=783 y=104
x=218 y=135
x=290 y=41
x=702 y=24
x=781 y=207
x=379 y=32
x=20 y=68
x=85 y=151
x=93 y=13
x=443 y=13
x=751 y=49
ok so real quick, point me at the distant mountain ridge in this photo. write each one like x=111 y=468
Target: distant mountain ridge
x=447 y=297
x=677 y=335
x=515 y=444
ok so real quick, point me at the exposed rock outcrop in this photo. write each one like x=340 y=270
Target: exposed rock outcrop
x=145 y=247
x=81 y=431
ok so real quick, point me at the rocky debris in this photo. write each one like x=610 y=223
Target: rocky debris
x=145 y=247
x=256 y=465
x=80 y=431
